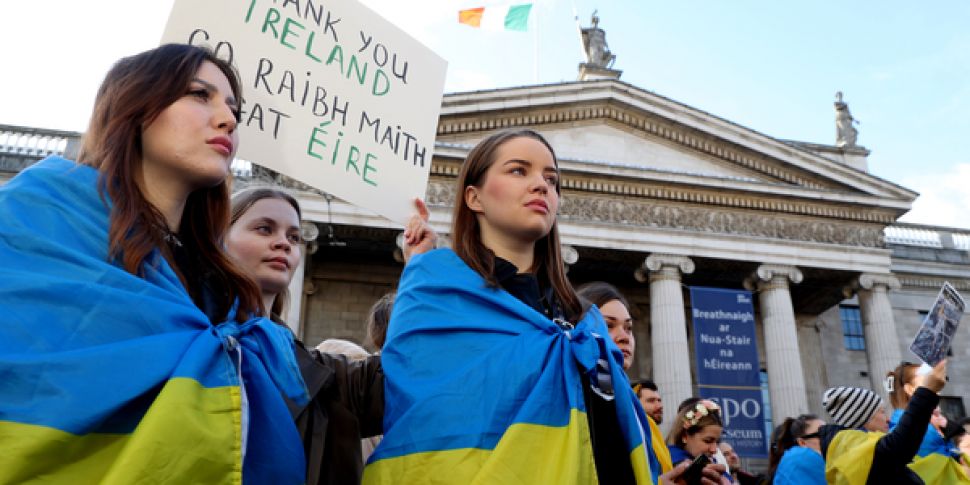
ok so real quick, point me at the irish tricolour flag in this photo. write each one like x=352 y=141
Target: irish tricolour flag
x=507 y=17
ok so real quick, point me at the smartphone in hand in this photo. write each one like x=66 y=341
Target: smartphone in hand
x=692 y=475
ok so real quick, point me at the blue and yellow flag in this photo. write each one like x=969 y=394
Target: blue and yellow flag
x=106 y=377
x=481 y=388
x=850 y=456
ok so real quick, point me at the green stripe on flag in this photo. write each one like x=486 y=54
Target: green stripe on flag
x=518 y=17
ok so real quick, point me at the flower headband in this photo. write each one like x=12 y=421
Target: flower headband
x=701 y=409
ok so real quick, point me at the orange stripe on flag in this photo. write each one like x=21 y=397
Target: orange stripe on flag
x=472 y=16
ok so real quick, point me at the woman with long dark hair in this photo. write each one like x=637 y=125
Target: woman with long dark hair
x=131 y=349
x=495 y=373
x=796 y=452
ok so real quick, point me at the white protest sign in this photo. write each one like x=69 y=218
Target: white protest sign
x=333 y=95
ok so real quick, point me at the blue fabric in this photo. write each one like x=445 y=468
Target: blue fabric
x=800 y=466
x=678 y=454
x=932 y=441
x=82 y=334
x=463 y=362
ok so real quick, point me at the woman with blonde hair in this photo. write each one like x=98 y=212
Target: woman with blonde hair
x=696 y=431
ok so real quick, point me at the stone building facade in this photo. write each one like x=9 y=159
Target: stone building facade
x=659 y=196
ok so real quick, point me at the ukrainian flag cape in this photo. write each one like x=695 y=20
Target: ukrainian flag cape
x=106 y=377
x=482 y=389
x=850 y=456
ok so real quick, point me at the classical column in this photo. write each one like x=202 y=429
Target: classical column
x=882 y=342
x=294 y=308
x=671 y=352
x=786 y=381
x=569 y=255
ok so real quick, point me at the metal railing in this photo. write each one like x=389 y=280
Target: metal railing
x=927 y=236
x=35 y=142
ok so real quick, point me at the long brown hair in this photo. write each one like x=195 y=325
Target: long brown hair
x=466 y=232
x=241 y=202
x=134 y=92
x=904 y=374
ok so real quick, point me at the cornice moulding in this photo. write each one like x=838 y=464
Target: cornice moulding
x=661 y=110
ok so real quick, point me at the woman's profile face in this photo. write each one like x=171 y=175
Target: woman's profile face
x=620 y=325
x=518 y=199
x=704 y=441
x=813 y=442
x=878 y=422
x=265 y=241
x=193 y=140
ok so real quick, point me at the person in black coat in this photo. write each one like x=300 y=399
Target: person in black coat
x=346 y=398
x=851 y=408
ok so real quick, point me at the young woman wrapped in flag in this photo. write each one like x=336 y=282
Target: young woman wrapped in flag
x=347 y=398
x=495 y=373
x=130 y=349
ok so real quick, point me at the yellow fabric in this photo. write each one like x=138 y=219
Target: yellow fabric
x=937 y=469
x=526 y=454
x=849 y=457
x=155 y=452
x=641 y=466
x=660 y=447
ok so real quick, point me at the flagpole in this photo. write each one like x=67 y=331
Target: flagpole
x=535 y=44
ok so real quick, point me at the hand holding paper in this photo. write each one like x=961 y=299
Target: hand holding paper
x=935 y=379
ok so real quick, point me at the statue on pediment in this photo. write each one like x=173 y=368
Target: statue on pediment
x=594 y=42
x=845 y=133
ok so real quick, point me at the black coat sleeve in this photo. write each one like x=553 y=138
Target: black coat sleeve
x=902 y=444
x=358 y=388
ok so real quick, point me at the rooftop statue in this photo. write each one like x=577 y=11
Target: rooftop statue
x=845 y=133
x=594 y=42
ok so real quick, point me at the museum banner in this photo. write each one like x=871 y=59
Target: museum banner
x=727 y=365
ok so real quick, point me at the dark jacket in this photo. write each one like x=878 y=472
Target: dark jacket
x=895 y=450
x=346 y=404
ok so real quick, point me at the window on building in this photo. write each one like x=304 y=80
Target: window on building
x=853 y=337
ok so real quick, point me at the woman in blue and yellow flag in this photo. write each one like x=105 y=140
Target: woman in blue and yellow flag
x=495 y=373
x=130 y=348
x=855 y=456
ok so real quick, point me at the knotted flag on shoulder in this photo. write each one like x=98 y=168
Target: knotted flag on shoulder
x=107 y=377
x=481 y=388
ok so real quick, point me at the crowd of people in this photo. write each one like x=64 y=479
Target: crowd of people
x=143 y=338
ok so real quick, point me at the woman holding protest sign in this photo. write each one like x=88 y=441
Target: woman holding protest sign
x=347 y=398
x=494 y=370
x=131 y=346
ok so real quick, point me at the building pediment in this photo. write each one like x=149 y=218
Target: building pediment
x=615 y=124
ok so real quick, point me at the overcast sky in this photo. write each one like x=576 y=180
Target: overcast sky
x=770 y=66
